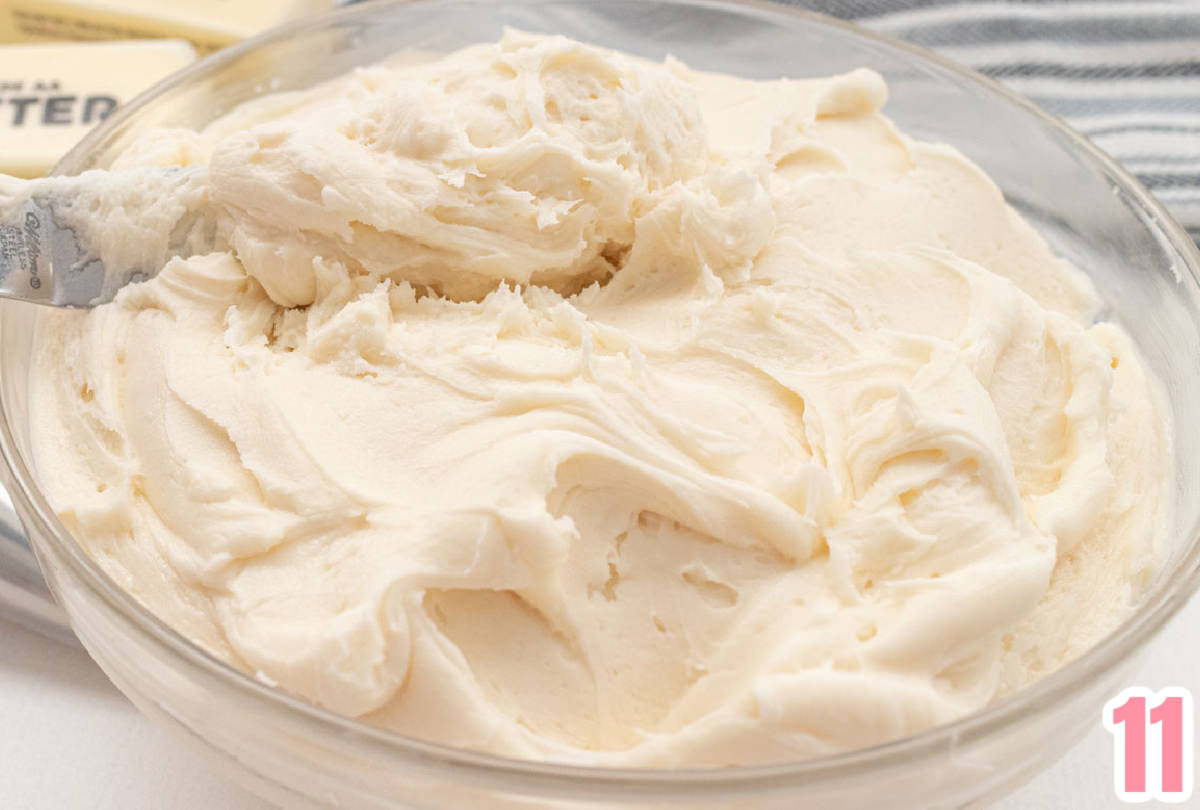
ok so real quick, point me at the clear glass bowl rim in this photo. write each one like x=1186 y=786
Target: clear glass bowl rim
x=1170 y=592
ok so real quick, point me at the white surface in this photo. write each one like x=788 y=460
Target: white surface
x=69 y=740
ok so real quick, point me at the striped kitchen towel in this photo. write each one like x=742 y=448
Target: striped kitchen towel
x=1124 y=72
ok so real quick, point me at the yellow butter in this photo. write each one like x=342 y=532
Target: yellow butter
x=208 y=24
x=51 y=95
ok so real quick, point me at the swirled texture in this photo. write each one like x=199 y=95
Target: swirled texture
x=550 y=402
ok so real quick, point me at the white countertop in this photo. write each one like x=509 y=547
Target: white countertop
x=70 y=741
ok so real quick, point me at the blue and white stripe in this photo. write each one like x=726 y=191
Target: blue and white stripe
x=1124 y=72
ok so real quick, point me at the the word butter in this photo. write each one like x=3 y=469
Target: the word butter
x=50 y=95
x=208 y=24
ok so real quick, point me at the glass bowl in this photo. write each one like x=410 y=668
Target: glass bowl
x=300 y=755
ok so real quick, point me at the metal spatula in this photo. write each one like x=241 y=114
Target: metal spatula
x=50 y=248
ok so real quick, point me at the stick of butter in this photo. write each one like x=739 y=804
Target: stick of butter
x=50 y=95
x=209 y=24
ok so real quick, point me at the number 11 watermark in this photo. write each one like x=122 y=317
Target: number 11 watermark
x=1154 y=744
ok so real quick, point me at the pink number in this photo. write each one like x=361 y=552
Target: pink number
x=1170 y=714
x=1133 y=714
x=1146 y=765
